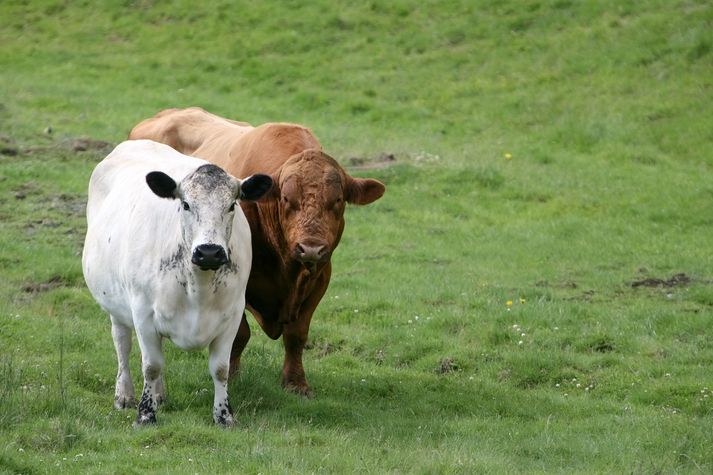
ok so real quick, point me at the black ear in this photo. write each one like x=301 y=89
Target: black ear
x=161 y=184
x=255 y=187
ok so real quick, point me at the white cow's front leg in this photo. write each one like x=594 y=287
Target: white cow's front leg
x=124 y=393
x=219 y=365
x=152 y=367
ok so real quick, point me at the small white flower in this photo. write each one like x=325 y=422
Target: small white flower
x=363 y=380
x=520 y=342
x=557 y=328
x=522 y=334
x=416 y=317
x=668 y=375
x=579 y=385
x=410 y=321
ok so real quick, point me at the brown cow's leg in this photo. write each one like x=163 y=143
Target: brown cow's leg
x=294 y=337
x=241 y=339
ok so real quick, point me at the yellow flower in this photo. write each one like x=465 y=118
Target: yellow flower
x=508 y=155
x=522 y=300
x=509 y=303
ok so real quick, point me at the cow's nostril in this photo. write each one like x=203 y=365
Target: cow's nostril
x=311 y=254
x=209 y=256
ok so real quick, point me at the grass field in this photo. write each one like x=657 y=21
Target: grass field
x=533 y=294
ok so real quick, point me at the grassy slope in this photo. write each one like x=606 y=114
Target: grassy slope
x=605 y=108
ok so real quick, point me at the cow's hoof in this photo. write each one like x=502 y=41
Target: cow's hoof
x=124 y=402
x=300 y=389
x=145 y=420
x=223 y=415
x=225 y=422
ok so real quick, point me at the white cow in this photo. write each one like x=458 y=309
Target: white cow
x=168 y=254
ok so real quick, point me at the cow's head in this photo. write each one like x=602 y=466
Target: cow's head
x=313 y=189
x=208 y=203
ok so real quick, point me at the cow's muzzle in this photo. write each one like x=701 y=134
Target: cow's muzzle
x=209 y=256
x=310 y=254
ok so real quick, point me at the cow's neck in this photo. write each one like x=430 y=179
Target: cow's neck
x=293 y=283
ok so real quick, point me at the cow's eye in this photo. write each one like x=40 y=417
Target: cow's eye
x=185 y=205
x=232 y=208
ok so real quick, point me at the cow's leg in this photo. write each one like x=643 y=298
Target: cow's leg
x=152 y=367
x=124 y=393
x=294 y=338
x=219 y=365
x=160 y=390
x=241 y=340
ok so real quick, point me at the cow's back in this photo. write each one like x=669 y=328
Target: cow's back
x=237 y=147
x=264 y=149
x=188 y=130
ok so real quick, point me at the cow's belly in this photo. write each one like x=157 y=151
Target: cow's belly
x=194 y=331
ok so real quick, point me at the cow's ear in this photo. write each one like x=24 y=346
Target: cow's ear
x=362 y=191
x=255 y=187
x=161 y=184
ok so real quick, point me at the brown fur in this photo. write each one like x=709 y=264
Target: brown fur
x=294 y=230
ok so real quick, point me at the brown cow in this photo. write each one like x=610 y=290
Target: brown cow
x=294 y=231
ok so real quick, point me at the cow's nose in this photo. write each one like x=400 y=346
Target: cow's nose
x=309 y=254
x=209 y=256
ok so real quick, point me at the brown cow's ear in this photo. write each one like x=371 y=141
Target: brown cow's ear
x=362 y=191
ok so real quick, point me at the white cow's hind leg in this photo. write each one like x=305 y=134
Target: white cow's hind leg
x=219 y=365
x=160 y=390
x=124 y=393
x=152 y=367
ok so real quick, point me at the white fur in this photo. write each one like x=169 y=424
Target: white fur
x=131 y=231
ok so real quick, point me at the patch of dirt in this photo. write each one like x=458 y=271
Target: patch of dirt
x=23 y=190
x=382 y=160
x=78 y=144
x=603 y=346
x=82 y=144
x=675 y=280
x=36 y=287
x=70 y=204
x=567 y=284
x=323 y=348
x=7 y=146
x=447 y=365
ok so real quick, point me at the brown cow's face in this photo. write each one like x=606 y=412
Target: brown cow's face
x=313 y=192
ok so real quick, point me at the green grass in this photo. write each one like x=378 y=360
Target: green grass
x=417 y=362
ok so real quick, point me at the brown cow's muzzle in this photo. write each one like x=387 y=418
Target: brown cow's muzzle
x=311 y=254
